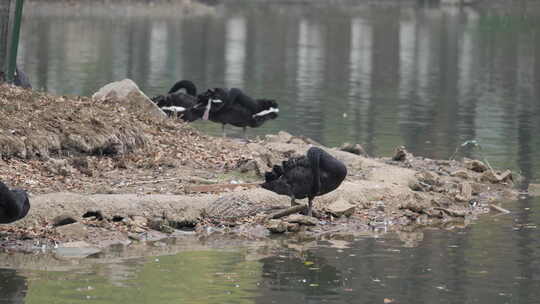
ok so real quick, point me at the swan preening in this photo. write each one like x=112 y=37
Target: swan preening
x=225 y=106
x=240 y=110
x=14 y=204
x=179 y=101
x=309 y=176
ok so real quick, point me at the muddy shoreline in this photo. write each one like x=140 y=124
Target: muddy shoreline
x=162 y=178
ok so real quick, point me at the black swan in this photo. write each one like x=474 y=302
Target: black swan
x=236 y=108
x=181 y=101
x=14 y=204
x=312 y=175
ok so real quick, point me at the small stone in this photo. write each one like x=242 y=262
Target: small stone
x=58 y=167
x=139 y=220
x=505 y=176
x=248 y=165
x=493 y=177
x=428 y=177
x=414 y=185
x=293 y=227
x=478 y=188
x=63 y=219
x=475 y=165
x=401 y=154
x=276 y=226
x=160 y=224
x=301 y=219
x=341 y=207
x=460 y=173
x=466 y=192
x=353 y=148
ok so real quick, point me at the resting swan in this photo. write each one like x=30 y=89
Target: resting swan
x=14 y=204
x=309 y=176
x=236 y=108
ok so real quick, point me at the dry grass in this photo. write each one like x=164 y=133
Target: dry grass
x=52 y=143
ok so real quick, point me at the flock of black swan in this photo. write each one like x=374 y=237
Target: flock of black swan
x=225 y=106
x=308 y=176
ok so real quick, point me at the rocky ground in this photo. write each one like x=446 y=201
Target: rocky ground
x=102 y=171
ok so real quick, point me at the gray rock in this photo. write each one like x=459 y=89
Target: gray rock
x=75 y=252
x=134 y=99
x=64 y=219
x=276 y=226
x=465 y=193
x=460 y=173
x=293 y=227
x=75 y=231
x=353 y=148
x=160 y=224
x=139 y=220
x=341 y=208
x=301 y=219
x=401 y=154
x=493 y=177
x=58 y=167
x=428 y=177
x=415 y=185
x=282 y=137
x=475 y=165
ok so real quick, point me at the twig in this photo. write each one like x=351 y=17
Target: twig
x=499 y=208
x=287 y=211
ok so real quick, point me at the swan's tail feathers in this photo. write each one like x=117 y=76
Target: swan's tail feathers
x=277 y=172
x=266 y=104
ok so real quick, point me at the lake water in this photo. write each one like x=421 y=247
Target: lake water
x=381 y=74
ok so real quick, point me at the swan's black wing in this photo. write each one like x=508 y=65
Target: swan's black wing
x=330 y=172
x=293 y=178
x=14 y=205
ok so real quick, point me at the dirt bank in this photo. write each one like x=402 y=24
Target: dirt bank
x=102 y=173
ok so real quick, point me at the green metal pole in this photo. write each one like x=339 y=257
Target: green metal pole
x=14 y=43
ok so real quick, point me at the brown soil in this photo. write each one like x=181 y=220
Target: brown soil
x=119 y=176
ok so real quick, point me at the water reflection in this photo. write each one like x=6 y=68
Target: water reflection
x=427 y=77
x=13 y=287
x=235 y=52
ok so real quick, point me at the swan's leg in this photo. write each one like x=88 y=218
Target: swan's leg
x=293 y=201
x=310 y=205
x=244 y=132
x=223 y=130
